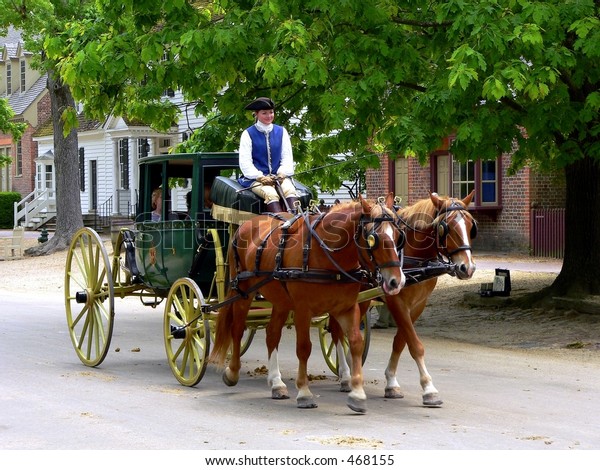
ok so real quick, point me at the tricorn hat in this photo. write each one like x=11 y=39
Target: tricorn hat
x=260 y=103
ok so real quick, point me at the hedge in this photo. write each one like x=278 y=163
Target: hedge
x=7 y=208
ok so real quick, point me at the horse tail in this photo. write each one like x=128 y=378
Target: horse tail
x=222 y=335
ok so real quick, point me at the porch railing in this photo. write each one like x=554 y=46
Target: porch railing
x=34 y=208
x=103 y=215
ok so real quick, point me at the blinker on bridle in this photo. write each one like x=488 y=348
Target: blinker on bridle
x=442 y=229
x=372 y=237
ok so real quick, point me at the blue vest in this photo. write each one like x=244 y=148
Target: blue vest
x=260 y=154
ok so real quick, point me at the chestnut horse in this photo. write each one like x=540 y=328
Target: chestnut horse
x=283 y=259
x=438 y=233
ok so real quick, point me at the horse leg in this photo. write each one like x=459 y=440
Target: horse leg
x=231 y=375
x=404 y=321
x=357 y=398
x=431 y=396
x=392 y=387
x=276 y=323
x=305 y=398
x=343 y=369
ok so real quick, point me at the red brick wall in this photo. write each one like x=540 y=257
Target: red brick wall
x=503 y=230
x=44 y=110
x=419 y=181
x=548 y=191
x=25 y=182
x=378 y=180
x=507 y=229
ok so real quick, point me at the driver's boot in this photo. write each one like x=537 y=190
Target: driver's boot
x=274 y=207
x=291 y=201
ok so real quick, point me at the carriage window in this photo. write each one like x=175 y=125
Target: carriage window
x=178 y=189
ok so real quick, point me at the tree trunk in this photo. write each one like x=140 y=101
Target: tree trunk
x=66 y=164
x=580 y=273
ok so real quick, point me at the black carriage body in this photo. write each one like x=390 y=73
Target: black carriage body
x=167 y=250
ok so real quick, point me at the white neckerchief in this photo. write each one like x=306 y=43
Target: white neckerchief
x=265 y=129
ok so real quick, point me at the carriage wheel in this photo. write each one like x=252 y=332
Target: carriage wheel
x=121 y=276
x=328 y=347
x=188 y=348
x=89 y=297
x=246 y=339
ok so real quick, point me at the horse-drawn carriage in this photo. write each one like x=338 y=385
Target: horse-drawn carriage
x=180 y=259
x=185 y=258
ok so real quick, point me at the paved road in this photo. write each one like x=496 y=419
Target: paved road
x=494 y=399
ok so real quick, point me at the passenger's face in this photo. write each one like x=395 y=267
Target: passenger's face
x=265 y=116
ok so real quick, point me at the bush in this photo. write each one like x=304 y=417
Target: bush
x=7 y=208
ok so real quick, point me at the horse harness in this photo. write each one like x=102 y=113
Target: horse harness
x=420 y=269
x=305 y=272
x=442 y=230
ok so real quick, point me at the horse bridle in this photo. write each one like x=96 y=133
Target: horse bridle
x=372 y=238
x=442 y=230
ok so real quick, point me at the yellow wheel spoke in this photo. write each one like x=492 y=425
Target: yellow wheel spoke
x=187 y=356
x=89 y=297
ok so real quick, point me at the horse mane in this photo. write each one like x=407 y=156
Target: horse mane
x=420 y=214
x=423 y=212
x=342 y=206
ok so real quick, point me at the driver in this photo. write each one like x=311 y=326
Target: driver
x=266 y=157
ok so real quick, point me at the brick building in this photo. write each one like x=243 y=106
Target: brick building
x=25 y=90
x=504 y=204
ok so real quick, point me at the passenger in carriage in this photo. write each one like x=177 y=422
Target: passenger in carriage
x=207 y=201
x=266 y=158
x=156 y=204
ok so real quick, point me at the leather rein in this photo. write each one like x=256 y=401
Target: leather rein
x=283 y=274
x=440 y=215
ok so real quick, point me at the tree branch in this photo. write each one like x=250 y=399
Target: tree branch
x=422 y=24
x=512 y=104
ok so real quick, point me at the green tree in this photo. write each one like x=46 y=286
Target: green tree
x=38 y=20
x=361 y=78
x=8 y=126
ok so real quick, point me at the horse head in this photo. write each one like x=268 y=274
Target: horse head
x=380 y=240
x=455 y=228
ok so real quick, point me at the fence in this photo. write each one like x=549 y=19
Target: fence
x=548 y=233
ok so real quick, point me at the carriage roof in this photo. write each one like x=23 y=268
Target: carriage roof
x=178 y=174
x=190 y=158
